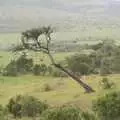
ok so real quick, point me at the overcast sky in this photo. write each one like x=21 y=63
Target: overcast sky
x=47 y=3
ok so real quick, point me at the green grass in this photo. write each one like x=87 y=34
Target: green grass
x=63 y=90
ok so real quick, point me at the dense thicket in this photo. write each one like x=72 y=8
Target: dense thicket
x=29 y=106
x=103 y=59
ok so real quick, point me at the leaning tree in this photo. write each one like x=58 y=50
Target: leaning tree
x=30 y=41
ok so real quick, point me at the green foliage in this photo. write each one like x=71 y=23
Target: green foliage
x=105 y=67
x=106 y=84
x=32 y=106
x=43 y=69
x=106 y=58
x=50 y=70
x=40 y=69
x=24 y=64
x=36 y=70
x=80 y=64
x=108 y=107
x=66 y=113
x=15 y=106
x=3 y=113
x=26 y=106
x=116 y=61
x=20 y=66
x=11 y=69
x=96 y=46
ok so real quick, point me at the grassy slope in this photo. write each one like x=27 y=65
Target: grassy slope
x=64 y=90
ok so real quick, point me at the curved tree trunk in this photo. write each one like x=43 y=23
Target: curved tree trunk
x=36 y=46
x=87 y=88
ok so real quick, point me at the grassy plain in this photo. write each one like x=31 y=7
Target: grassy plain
x=63 y=90
x=84 y=35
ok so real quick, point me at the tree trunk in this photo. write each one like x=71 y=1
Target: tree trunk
x=87 y=88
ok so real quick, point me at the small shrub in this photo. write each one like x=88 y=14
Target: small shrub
x=46 y=87
x=66 y=113
x=32 y=107
x=106 y=84
x=108 y=107
x=26 y=106
x=15 y=106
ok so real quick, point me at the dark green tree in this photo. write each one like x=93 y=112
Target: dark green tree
x=79 y=64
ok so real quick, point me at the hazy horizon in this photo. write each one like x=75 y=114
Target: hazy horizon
x=15 y=15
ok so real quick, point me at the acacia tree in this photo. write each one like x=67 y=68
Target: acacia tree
x=30 y=41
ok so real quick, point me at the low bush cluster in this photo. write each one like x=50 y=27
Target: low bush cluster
x=66 y=113
x=108 y=106
x=104 y=108
x=106 y=83
x=26 y=106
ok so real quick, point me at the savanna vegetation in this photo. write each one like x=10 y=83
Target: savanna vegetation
x=36 y=82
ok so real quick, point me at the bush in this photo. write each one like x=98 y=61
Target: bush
x=81 y=64
x=22 y=65
x=40 y=69
x=37 y=70
x=108 y=107
x=11 y=69
x=43 y=69
x=26 y=106
x=106 y=84
x=2 y=113
x=58 y=73
x=66 y=113
x=15 y=106
x=32 y=107
x=46 y=88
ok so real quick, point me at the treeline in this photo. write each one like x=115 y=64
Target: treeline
x=24 y=65
x=102 y=58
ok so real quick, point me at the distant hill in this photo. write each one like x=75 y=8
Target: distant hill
x=17 y=15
